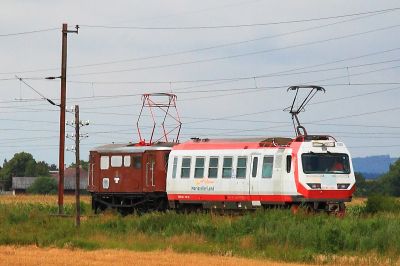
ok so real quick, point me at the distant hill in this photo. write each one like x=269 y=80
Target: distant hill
x=373 y=166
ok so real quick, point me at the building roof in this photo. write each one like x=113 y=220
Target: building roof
x=22 y=182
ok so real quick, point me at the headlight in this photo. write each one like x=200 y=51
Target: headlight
x=343 y=186
x=314 y=185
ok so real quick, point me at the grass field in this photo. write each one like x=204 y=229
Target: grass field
x=278 y=235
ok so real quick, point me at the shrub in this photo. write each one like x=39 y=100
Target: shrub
x=376 y=203
x=43 y=185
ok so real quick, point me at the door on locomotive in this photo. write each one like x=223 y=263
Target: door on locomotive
x=149 y=181
x=154 y=170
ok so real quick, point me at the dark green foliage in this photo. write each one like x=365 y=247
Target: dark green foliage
x=380 y=203
x=387 y=184
x=53 y=167
x=84 y=164
x=390 y=181
x=43 y=185
x=22 y=164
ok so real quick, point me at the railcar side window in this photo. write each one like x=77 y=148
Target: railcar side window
x=127 y=161
x=174 y=167
x=288 y=163
x=254 y=167
x=213 y=167
x=185 y=169
x=199 y=167
x=104 y=162
x=137 y=161
x=241 y=167
x=116 y=161
x=267 y=166
x=227 y=167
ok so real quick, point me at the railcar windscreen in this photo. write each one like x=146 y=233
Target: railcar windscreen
x=325 y=163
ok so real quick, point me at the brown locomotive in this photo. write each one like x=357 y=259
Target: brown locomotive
x=129 y=177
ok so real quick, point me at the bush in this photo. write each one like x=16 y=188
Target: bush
x=43 y=185
x=377 y=203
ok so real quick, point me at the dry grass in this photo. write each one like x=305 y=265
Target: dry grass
x=356 y=201
x=45 y=199
x=31 y=255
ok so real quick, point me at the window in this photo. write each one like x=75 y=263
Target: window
x=288 y=163
x=267 y=166
x=199 y=168
x=185 y=169
x=104 y=162
x=241 y=167
x=137 y=161
x=127 y=161
x=325 y=163
x=213 y=167
x=175 y=164
x=116 y=161
x=227 y=167
x=254 y=167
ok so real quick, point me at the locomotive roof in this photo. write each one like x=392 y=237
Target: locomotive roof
x=134 y=147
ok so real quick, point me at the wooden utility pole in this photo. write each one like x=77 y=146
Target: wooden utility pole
x=78 y=170
x=62 y=116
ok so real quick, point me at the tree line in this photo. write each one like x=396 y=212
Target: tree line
x=24 y=165
x=387 y=184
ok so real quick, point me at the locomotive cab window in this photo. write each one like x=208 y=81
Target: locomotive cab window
x=267 y=166
x=185 y=168
x=127 y=161
x=227 y=167
x=199 y=167
x=288 y=163
x=104 y=162
x=137 y=161
x=116 y=161
x=241 y=167
x=213 y=167
x=325 y=163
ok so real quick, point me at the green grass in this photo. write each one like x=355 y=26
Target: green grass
x=274 y=234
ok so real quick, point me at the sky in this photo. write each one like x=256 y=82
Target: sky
x=229 y=63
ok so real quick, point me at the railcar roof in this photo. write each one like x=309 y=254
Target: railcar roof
x=239 y=143
x=133 y=147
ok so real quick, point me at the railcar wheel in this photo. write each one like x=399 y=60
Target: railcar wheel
x=294 y=208
x=342 y=210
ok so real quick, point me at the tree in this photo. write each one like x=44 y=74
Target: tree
x=22 y=164
x=42 y=168
x=53 y=167
x=361 y=185
x=390 y=182
x=84 y=165
x=43 y=185
x=15 y=167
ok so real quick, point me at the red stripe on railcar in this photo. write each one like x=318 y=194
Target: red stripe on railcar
x=230 y=198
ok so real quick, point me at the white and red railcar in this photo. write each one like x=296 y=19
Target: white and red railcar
x=314 y=171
